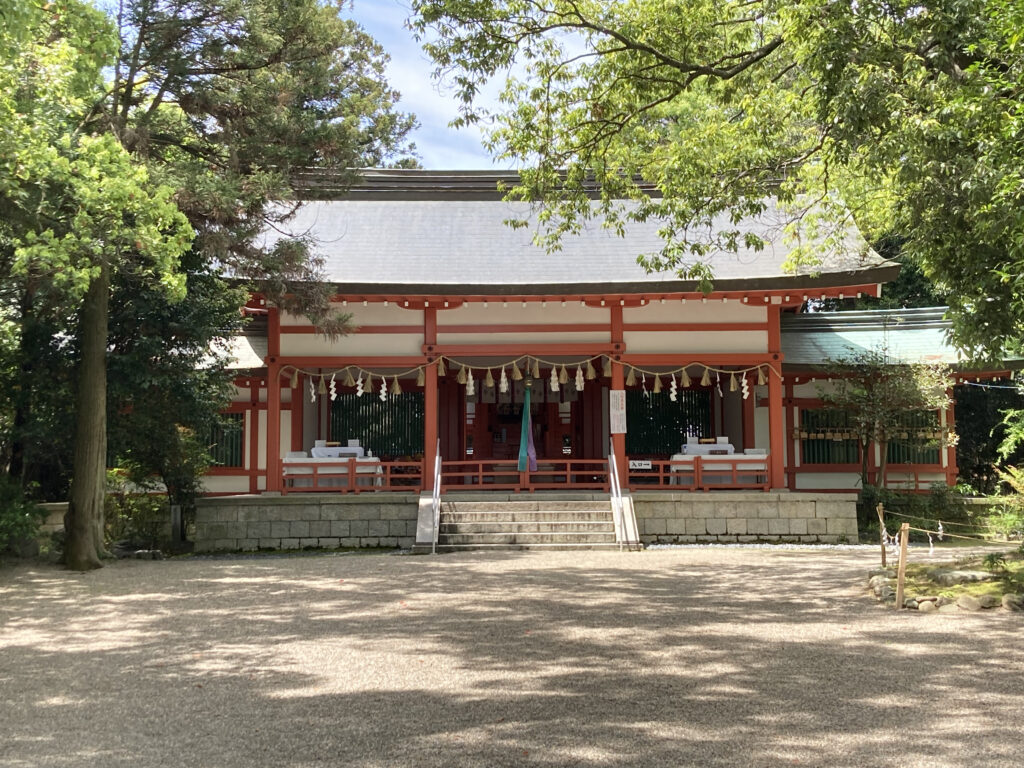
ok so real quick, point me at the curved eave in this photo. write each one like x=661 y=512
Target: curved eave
x=820 y=282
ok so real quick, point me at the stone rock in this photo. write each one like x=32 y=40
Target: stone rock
x=927 y=607
x=948 y=608
x=910 y=603
x=1013 y=602
x=951 y=578
x=877 y=584
x=889 y=573
x=888 y=594
x=968 y=603
x=941 y=601
x=989 y=601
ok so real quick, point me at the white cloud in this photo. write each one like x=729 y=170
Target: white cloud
x=410 y=72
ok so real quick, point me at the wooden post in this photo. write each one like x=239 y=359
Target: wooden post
x=901 y=573
x=880 y=509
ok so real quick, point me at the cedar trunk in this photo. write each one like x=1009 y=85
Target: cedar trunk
x=84 y=519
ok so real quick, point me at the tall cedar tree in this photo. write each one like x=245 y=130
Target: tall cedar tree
x=221 y=103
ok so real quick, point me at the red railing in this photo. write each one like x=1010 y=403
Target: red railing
x=702 y=473
x=347 y=476
x=498 y=475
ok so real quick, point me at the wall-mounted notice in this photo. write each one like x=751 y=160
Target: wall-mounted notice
x=617 y=411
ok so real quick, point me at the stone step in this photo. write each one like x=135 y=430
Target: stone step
x=522 y=547
x=513 y=516
x=507 y=539
x=533 y=505
x=601 y=526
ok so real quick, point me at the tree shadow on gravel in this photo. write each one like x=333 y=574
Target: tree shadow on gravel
x=659 y=659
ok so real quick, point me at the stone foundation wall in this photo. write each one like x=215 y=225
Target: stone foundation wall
x=740 y=516
x=300 y=521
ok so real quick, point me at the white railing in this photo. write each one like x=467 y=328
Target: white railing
x=436 y=499
x=625 y=519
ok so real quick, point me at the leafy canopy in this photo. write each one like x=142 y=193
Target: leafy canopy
x=904 y=116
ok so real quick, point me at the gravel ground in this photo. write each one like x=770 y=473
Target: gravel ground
x=677 y=657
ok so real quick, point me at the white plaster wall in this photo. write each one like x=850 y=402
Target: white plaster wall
x=249 y=425
x=696 y=312
x=261 y=446
x=356 y=345
x=522 y=338
x=810 y=481
x=692 y=344
x=516 y=314
x=371 y=314
x=225 y=484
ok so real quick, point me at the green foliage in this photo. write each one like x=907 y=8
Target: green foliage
x=19 y=517
x=995 y=562
x=875 y=394
x=921 y=510
x=132 y=516
x=903 y=116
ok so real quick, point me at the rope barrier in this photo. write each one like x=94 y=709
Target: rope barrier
x=935 y=520
x=965 y=538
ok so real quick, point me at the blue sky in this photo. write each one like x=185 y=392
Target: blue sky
x=409 y=72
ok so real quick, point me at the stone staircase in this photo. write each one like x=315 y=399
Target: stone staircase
x=534 y=523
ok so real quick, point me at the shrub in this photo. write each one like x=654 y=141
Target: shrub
x=138 y=520
x=918 y=509
x=19 y=517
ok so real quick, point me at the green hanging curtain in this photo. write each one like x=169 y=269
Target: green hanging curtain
x=527 y=452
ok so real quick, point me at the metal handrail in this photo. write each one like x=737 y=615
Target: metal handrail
x=625 y=530
x=616 y=493
x=436 y=499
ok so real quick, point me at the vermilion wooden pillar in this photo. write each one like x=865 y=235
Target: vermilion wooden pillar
x=273 y=399
x=619 y=440
x=430 y=409
x=776 y=413
x=274 y=426
x=429 y=426
x=296 y=409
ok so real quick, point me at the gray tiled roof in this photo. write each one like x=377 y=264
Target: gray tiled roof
x=402 y=231
x=908 y=336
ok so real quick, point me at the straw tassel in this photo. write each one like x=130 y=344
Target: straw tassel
x=705 y=380
x=348 y=381
x=761 y=380
x=591 y=373
x=606 y=368
x=684 y=378
x=631 y=378
x=489 y=380
x=732 y=382
x=563 y=376
x=295 y=379
x=657 y=385
x=440 y=367
x=536 y=368
x=461 y=378
x=421 y=378
x=517 y=375
x=396 y=388
x=322 y=389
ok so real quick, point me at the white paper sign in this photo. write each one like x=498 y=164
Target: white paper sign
x=617 y=411
x=640 y=464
